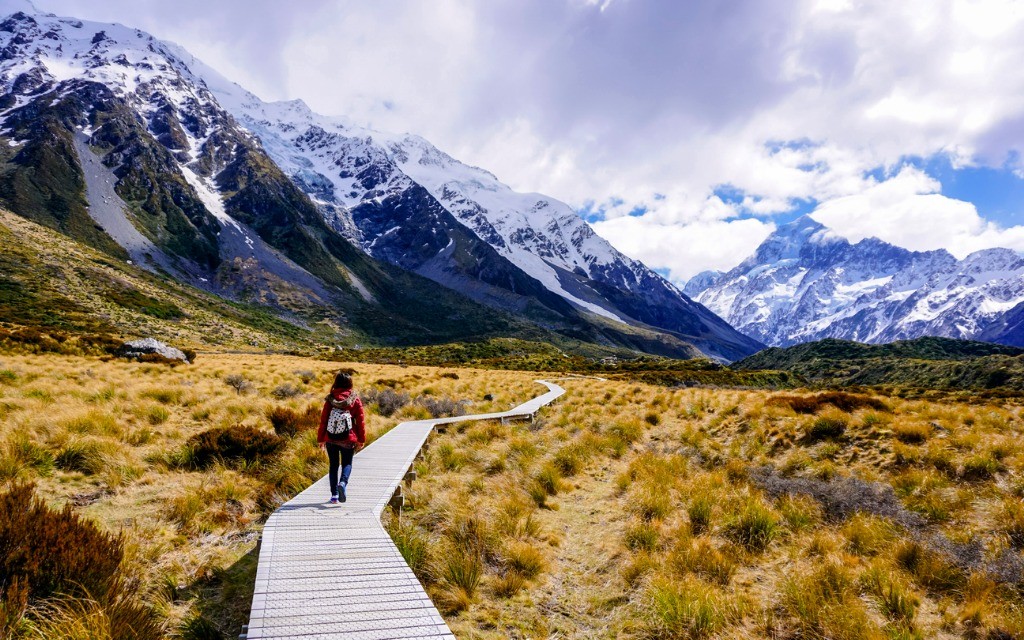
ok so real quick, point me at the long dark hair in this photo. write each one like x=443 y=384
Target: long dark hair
x=342 y=381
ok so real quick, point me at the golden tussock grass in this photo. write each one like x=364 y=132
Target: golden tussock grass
x=625 y=511
x=111 y=439
x=669 y=528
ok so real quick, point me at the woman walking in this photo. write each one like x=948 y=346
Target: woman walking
x=341 y=433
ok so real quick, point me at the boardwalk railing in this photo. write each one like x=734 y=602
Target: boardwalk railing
x=331 y=571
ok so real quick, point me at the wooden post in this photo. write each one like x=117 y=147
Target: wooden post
x=410 y=475
x=397 y=500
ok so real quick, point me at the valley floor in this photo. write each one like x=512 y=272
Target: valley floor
x=626 y=510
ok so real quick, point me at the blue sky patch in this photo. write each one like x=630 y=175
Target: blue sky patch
x=591 y=212
x=997 y=192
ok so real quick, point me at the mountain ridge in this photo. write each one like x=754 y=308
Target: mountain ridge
x=806 y=283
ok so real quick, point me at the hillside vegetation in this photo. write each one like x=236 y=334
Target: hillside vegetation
x=51 y=283
x=570 y=357
x=922 y=364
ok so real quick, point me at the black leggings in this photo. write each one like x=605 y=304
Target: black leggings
x=346 y=454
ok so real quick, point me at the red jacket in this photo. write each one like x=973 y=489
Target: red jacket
x=357 y=435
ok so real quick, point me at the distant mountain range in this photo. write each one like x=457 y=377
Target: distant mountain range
x=133 y=146
x=806 y=283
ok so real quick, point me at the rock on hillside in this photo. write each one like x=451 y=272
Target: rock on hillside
x=148 y=347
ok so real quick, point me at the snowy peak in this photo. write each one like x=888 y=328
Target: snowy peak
x=790 y=240
x=805 y=283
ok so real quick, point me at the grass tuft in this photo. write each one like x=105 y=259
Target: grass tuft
x=642 y=535
x=686 y=609
x=755 y=526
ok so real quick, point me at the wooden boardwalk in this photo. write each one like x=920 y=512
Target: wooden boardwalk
x=331 y=571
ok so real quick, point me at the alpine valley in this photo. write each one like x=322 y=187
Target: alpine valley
x=135 y=148
x=806 y=283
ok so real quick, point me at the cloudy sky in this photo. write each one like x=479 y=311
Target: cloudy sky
x=684 y=131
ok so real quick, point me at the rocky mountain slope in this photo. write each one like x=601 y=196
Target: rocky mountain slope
x=134 y=146
x=805 y=283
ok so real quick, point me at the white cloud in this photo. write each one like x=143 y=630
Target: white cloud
x=907 y=210
x=614 y=102
x=685 y=250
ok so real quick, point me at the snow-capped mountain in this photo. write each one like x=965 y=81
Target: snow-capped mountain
x=351 y=171
x=806 y=283
x=191 y=175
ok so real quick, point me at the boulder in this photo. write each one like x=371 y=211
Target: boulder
x=149 y=347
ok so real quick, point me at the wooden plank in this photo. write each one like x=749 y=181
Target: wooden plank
x=332 y=571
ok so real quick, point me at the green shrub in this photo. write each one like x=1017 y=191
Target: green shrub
x=92 y=422
x=157 y=415
x=912 y=433
x=650 y=501
x=824 y=604
x=509 y=584
x=867 y=535
x=799 y=511
x=387 y=400
x=538 y=494
x=163 y=396
x=199 y=627
x=930 y=569
x=287 y=422
x=470 y=533
x=45 y=553
x=285 y=391
x=120 y=614
x=235 y=444
x=628 y=431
